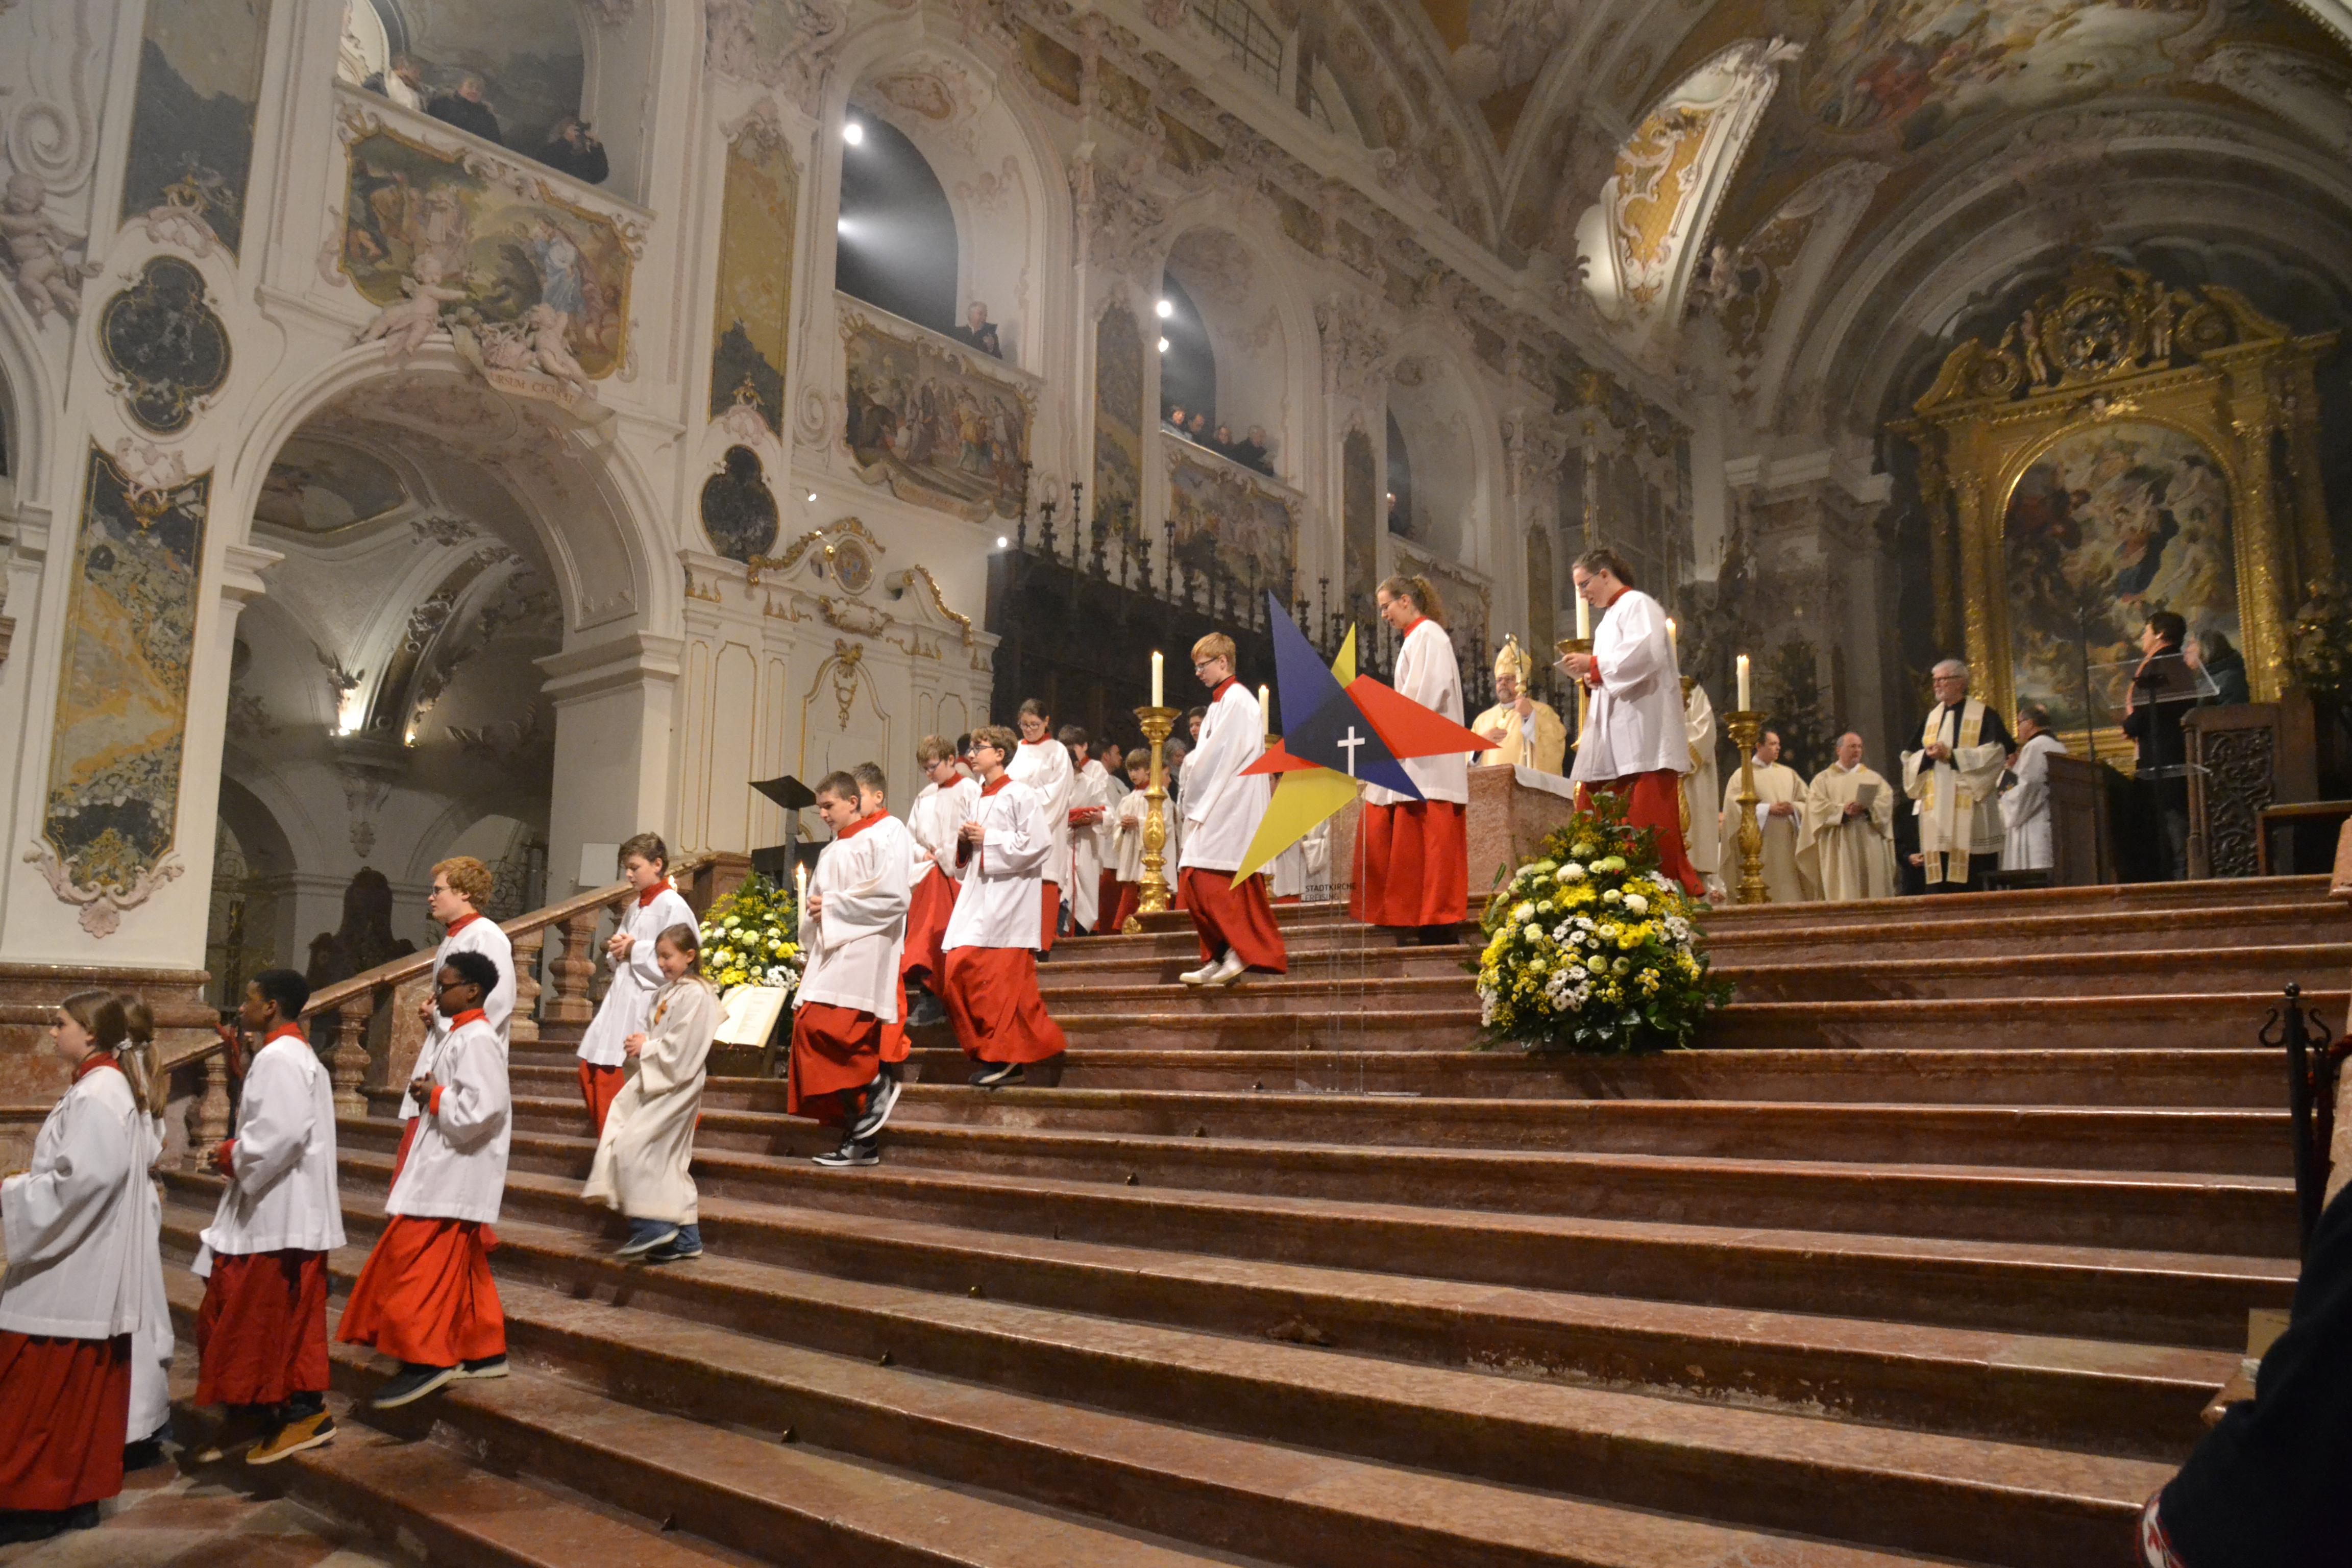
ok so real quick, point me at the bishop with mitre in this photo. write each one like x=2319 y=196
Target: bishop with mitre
x=1954 y=778
x=1526 y=732
x=1850 y=815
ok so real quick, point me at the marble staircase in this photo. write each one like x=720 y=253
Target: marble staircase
x=1932 y=1253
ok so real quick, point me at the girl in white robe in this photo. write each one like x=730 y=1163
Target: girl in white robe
x=153 y=1347
x=642 y=1159
x=628 y=1002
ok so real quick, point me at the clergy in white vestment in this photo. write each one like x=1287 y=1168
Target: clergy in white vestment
x=629 y=999
x=1850 y=818
x=1636 y=742
x=1526 y=733
x=853 y=935
x=1791 y=871
x=2025 y=807
x=1954 y=779
x=1222 y=808
x=1702 y=827
x=1413 y=857
x=461 y=886
x=1043 y=764
x=1090 y=803
x=993 y=936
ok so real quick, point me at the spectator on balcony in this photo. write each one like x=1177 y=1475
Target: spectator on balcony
x=404 y=83
x=978 y=332
x=1221 y=443
x=1251 y=451
x=1197 y=432
x=1173 y=420
x=571 y=151
x=465 y=109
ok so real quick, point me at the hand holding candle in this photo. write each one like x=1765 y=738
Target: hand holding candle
x=1744 y=708
x=1156 y=692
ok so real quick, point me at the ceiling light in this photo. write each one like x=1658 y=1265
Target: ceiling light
x=1163 y=345
x=853 y=132
x=812 y=498
x=1001 y=541
x=841 y=225
x=1166 y=308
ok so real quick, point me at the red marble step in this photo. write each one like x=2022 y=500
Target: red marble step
x=2094 y=1293
x=2313 y=965
x=2039 y=902
x=2234 y=925
x=704 y=1340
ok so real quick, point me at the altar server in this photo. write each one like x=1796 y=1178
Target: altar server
x=939 y=812
x=77 y=1236
x=2026 y=844
x=1792 y=873
x=1127 y=841
x=153 y=1347
x=1413 y=857
x=1636 y=741
x=993 y=936
x=459 y=885
x=642 y=1158
x=1043 y=764
x=426 y=1296
x=1222 y=808
x=852 y=933
x=1090 y=801
x=1954 y=781
x=261 y=1333
x=1850 y=818
x=645 y=863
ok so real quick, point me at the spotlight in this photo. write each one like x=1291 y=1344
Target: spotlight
x=1163 y=345
x=852 y=132
x=1166 y=308
x=841 y=227
x=812 y=498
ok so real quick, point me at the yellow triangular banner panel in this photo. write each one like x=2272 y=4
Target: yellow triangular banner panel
x=1301 y=800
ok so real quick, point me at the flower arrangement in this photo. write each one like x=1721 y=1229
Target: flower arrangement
x=749 y=938
x=1590 y=949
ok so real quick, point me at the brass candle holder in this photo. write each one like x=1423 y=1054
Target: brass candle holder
x=1156 y=895
x=1565 y=646
x=1746 y=728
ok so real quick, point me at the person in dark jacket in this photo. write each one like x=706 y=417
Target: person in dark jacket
x=2223 y=665
x=2163 y=689
x=571 y=151
x=465 y=110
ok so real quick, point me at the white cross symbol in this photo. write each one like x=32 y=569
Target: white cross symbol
x=1351 y=742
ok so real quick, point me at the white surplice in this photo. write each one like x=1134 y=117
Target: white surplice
x=1090 y=788
x=2025 y=809
x=932 y=823
x=629 y=1000
x=1427 y=671
x=1044 y=766
x=854 y=945
x=456 y=1169
x=1635 y=722
x=996 y=904
x=76 y=1223
x=1959 y=801
x=475 y=933
x=1223 y=808
x=1702 y=838
x=283 y=1191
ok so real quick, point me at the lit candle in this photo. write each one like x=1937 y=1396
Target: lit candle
x=1743 y=685
x=800 y=904
x=1674 y=642
x=1265 y=710
x=1584 y=618
x=1155 y=679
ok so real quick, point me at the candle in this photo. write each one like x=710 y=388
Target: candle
x=1265 y=710
x=1583 y=617
x=1674 y=642
x=800 y=904
x=1156 y=701
x=1743 y=685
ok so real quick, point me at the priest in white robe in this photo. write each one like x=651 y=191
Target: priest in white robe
x=1791 y=870
x=1701 y=834
x=1850 y=819
x=2026 y=843
x=1954 y=778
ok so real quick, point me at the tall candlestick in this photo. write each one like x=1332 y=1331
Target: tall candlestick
x=1584 y=618
x=1743 y=704
x=799 y=903
x=1156 y=698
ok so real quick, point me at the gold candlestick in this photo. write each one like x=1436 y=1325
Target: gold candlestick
x=1746 y=728
x=1158 y=723
x=1565 y=646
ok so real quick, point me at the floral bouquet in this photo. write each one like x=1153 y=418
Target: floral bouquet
x=1590 y=949
x=748 y=938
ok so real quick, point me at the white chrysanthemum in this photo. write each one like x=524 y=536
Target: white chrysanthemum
x=1572 y=873
x=1598 y=964
x=1637 y=904
x=1609 y=895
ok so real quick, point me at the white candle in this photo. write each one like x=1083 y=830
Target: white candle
x=800 y=904
x=1674 y=642
x=1155 y=679
x=1583 y=617
x=1743 y=685
x=1265 y=710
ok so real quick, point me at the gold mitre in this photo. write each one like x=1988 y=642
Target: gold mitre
x=1513 y=660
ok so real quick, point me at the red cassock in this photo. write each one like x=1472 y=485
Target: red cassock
x=1412 y=864
x=992 y=999
x=836 y=1049
x=65 y=1406
x=1236 y=916
x=1654 y=800
x=261 y=1333
x=1106 y=915
x=1051 y=900
x=599 y=1087
x=1130 y=900
x=929 y=905
x=425 y=1295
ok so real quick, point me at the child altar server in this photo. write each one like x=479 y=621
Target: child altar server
x=1413 y=857
x=645 y=862
x=77 y=1236
x=939 y=813
x=649 y=1138
x=993 y=936
x=1043 y=764
x=1091 y=799
x=261 y=1333
x=892 y=836
x=1222 y=808
x=1127 y=842
x=459 y=885
x=852 y=930
x=152 y=1348
x=425 y=1297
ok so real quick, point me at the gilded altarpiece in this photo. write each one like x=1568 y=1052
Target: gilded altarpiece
x=2118 y=450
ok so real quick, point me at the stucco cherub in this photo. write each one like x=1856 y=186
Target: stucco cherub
x=36 y=249
x=405 y=325
x=549 y=329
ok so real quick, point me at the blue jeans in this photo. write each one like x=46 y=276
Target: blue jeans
x=641 y=1230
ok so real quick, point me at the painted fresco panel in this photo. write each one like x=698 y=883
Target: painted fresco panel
x=1118 y=430
x=122 y=698
x=752 y=319
x=1226 y=523
x=192 y=126
x=928 y=422
x=411 y=211
x=2109 y=526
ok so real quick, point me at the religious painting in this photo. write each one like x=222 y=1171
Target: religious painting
x=1359 y=524
x=1227 y=525
x=739 y=512
x=322 y=487
x=925 y=420
x=167 y=348
x=416 y=218
x=1118 y=428
x=2111 y=525
x=1052 y=64
x=113 y=795
x=192 y=126
x=752 y=320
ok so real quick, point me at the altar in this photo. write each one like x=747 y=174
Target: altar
x=1512 y=809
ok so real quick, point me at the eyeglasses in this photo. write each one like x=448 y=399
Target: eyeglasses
x=441 y=986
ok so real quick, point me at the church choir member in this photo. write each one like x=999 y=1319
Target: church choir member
x=853 y=934
x=647 y=1144
x=1413 y=857
x=1091 y=799
x=1955 y=778
x=1127 y=841
x=1526 y=732
x=153 y=1347
x=425 y=1297
x=645 y=862
x=1636 y=743
x=993 y=936
x=1702 y=825
x=942 y=808
x=1791 y=870
x=261 y=1333
x=1222 y=808
x=1043 y=764
x=1852 y=836
x=459 y=885
x=2025 y=843
x=75 y=1227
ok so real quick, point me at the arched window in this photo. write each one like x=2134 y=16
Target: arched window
x=896 y=235
x=1399 y=495
x=1188 y=365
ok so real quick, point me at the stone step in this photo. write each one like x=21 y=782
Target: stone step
x=738 y=1341
x=2125 y=930
x=2252 y=1078
x=2313 y=965
x=2092 y=1290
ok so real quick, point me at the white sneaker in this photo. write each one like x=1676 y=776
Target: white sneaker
x=1229 y=970
x=1201 y=976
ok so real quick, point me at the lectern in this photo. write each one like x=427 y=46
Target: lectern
x=776 y=862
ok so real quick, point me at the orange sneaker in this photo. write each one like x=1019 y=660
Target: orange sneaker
x=311 y=1432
